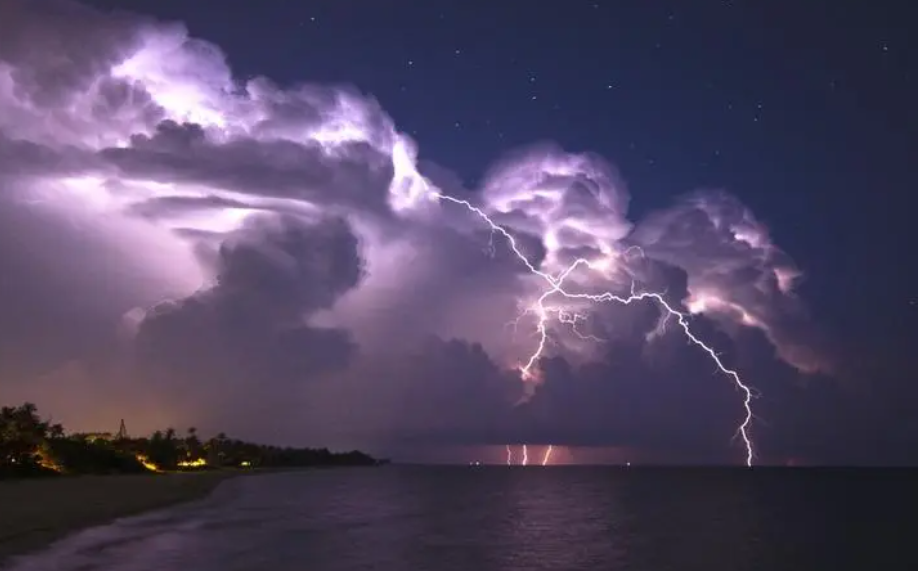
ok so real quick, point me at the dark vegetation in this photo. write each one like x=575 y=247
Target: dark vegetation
x=31 y=446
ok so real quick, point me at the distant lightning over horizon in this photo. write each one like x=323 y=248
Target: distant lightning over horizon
x=556 y=287
x=524 y=457
x=547 y=457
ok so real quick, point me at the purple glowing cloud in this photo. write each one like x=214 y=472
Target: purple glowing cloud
x=206 y=200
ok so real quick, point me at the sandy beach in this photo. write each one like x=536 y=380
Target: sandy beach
x=34 y=513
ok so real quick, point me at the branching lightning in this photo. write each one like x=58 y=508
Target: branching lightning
x=572 y=319
x=556 y=288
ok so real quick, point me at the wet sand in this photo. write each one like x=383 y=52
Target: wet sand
x=35 y=513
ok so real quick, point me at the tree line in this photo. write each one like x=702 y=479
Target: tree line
x=32 y=446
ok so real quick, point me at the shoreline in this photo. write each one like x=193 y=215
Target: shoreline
x=38 y=512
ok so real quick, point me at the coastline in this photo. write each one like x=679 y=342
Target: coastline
x=38 y=512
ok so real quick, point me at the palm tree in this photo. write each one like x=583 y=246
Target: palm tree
x=192 y=444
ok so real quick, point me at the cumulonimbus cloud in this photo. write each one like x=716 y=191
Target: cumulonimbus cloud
x=304 y=243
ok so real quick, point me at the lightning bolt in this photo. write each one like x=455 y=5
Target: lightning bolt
x=659 y=330
x=509 y=455
x=556 y=287
x=572 y=319
x=525 y=461
x=547 y=456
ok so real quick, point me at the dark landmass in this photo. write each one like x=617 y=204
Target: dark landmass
x=31 y=447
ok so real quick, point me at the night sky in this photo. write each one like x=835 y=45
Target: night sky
x=794 y=118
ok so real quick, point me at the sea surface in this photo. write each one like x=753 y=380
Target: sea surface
x=401 y=518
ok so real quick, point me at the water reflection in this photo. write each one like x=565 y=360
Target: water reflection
x=507 y=519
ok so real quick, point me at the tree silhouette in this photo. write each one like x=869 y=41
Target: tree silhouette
x=32 y=446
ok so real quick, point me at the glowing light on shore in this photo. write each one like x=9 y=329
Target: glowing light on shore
x=46 y=461
x=145 y=461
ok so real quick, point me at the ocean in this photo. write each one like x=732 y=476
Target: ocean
x=402 y=518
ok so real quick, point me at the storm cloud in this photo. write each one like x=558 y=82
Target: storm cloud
x=270 y=261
